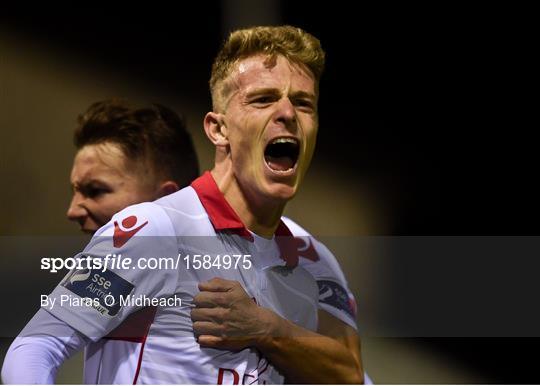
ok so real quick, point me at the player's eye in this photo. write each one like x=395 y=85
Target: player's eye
x=263 y=100
x=304 y=104
x=94 y=191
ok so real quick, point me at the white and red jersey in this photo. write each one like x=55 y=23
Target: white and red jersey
x=135 y=344
x=335 y=297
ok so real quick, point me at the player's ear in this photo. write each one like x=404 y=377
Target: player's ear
x=215 y=128
x=167 y=187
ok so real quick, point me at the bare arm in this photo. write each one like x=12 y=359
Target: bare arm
x=227 y=318
x=307 y=357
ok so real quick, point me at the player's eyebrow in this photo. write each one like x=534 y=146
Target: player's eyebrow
x=92 y=181
x=304 y=94
x=277 y=92
x=263 y=91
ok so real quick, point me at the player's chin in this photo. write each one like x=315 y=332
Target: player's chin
x=281 y=191
x=281 y=185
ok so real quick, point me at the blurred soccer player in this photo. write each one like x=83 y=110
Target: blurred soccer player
x=127 y=155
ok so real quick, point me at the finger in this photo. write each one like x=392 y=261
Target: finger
x=204 y=299
x=207 y=299
x=211 y=341
x=217 y=284
x=215 y=315
x=206 y=328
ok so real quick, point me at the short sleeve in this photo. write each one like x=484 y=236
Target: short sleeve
x=119 y=272
x=335 y=297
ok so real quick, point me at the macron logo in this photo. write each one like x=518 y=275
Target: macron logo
x=122 y=236
x=308 y=251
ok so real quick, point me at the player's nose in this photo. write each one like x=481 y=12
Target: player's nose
x=286 y=113
x=76 y=211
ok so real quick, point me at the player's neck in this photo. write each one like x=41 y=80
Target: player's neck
x=259 y=216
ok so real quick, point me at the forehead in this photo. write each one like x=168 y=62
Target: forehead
x=105 y=159
x=255 y=72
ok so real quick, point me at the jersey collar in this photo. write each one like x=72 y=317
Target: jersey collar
x=221 y=214
x=223 y=217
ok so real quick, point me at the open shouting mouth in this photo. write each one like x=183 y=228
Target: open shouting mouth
x=281 y=154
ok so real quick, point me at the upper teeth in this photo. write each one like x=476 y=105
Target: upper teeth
x=284 y=140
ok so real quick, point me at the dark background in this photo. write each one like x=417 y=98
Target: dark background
x=426 y=106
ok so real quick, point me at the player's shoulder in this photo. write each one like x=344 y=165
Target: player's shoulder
x=315 y=255
x=187 y=213
x=334 y=294
x=144 y=219
x=184 y=200
x=295 y=228
x=299 y=232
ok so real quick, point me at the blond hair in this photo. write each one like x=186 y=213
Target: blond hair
x=293 y=43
